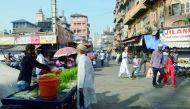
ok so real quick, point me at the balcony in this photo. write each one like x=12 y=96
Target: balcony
x=135 y=11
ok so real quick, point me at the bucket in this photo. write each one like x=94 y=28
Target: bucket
x=48 y=87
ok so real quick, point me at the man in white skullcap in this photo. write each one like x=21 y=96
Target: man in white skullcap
x=157 y=65
x=85 y=84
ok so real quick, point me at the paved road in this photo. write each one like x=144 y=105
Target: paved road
x=115 y=93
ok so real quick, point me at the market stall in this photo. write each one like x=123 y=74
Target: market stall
x=46 y=93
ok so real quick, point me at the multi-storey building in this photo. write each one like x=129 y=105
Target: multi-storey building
x=153 y=18
x=80 y=26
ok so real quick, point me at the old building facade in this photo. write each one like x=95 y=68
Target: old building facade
x=149 y=17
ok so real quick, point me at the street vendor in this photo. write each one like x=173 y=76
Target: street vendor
x=27 y=64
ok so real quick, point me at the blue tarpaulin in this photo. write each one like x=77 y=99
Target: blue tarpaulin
x=151 y=41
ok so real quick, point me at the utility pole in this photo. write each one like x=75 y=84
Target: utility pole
x=54 y=16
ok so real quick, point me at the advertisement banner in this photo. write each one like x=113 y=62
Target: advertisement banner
x=23 y=40
x=48 y=39
x=35 y=40
x=7 y=41
x=177 y=34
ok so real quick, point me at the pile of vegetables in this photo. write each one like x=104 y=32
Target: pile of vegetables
x=66 y=77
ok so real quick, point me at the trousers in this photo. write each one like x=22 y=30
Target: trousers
x=155 y=72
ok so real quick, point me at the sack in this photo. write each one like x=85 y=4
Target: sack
x=120 y=58
x=149 y=74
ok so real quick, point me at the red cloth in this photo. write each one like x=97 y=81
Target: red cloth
x=171 y=72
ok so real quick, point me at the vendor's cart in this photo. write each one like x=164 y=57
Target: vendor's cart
x=62 y=99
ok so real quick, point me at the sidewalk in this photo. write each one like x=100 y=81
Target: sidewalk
x=115 y=93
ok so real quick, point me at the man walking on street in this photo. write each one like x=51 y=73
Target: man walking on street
x=85 y=84
x=102 y=57
x=157 y=64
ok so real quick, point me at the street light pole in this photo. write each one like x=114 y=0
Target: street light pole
x=54 y=16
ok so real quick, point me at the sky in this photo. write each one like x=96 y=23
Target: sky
x=99 y=12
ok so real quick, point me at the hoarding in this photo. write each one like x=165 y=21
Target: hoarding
x=7 y=41
x=177 y=34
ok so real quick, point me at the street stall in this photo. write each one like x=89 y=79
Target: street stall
x=53 y=90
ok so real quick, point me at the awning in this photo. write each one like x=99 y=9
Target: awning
x=151 y=41
x=140 y=42
x=178 y=44
x=133 y=41
x=131 y=38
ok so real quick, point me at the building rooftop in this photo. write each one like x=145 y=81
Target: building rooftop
x=78 y=15
x=20 y=20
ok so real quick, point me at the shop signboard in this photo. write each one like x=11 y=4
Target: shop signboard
x=48 y=39
x=35 y=40
x=23 y=40
x=177 y=34
x=7 y=41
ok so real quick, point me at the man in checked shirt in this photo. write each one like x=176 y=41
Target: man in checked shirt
x=157 y=64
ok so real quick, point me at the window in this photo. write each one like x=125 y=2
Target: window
x=176 y=9
x=187 y=7
x=182 y=8
x=170 y=10
x=74 y=31
x=75 y=24
x=84 y=31
x=79 y=24
x=78 y=31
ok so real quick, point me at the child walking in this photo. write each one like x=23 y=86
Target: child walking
x=136 y=67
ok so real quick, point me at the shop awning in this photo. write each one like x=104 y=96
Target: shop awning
x=133 y=41
x=151 y=41
x=178 y=44
x=130 y=39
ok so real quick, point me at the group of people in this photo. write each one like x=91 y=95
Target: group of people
x=137 y=61
x=166 y=64
x=85 y=82
x=103 y=56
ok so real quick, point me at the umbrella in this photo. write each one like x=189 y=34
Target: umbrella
x=65 y=52
x=90 y=55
